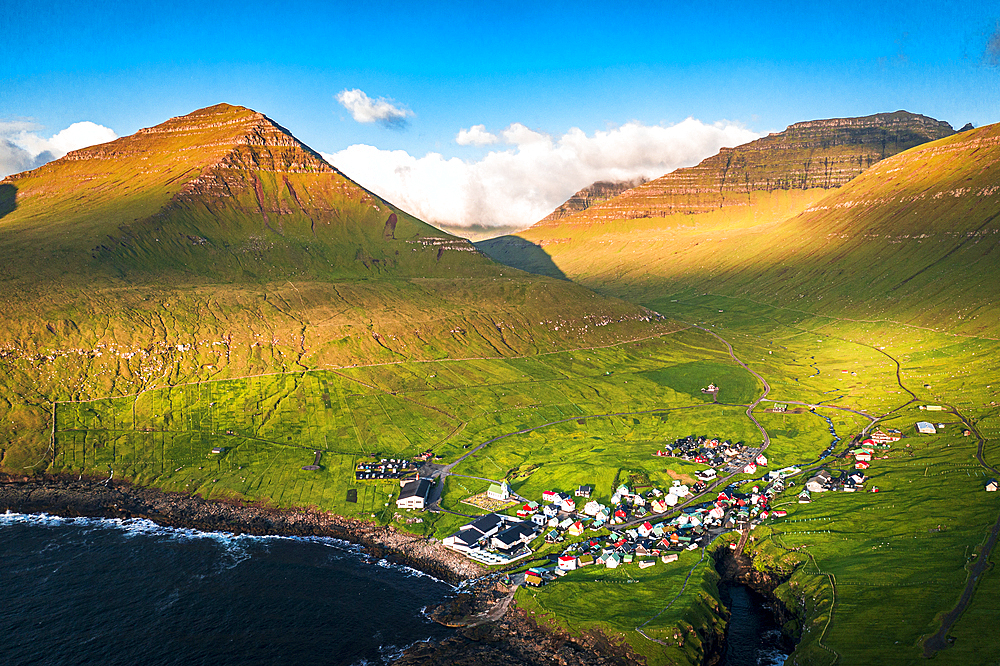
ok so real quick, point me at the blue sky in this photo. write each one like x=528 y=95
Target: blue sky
x=550 y=67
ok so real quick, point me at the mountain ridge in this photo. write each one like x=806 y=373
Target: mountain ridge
x=818 y=154
x=216 y=245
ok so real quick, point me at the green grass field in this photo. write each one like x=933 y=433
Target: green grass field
x=596 y=416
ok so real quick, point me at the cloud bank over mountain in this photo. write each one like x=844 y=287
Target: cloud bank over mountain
x=21 y=147
x=522 y=183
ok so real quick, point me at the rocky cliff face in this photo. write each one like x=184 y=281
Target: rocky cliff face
x=823 y=154
x=594 y=193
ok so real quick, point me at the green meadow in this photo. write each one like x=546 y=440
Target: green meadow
x=595 y=416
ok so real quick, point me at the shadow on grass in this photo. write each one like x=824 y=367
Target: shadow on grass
x=518 y=252
x=8 y=198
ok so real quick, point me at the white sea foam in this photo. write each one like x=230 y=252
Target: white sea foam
x=233 y=545
x=390 y=653
x=771 y=658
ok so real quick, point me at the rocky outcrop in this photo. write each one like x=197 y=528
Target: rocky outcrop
x=517 y=639
x=593 y=194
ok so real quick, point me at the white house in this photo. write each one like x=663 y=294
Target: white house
x=991 y=486
x=707 y=474
x=413 y=494
x=567 y=562
x=499 y=491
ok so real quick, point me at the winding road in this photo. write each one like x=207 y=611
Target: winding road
x=767 y=387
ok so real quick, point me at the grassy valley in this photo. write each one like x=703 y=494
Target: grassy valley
x=865 y=300
x=212 y=283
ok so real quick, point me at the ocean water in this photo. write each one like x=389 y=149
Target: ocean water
x=753 y=638
x=98 y=591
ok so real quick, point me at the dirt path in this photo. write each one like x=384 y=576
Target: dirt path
x=939 y=641
x=767 y=387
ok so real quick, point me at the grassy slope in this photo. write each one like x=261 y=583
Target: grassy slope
x=217 y=246
x=895 y=265
x=901 y=241
x=402 y=396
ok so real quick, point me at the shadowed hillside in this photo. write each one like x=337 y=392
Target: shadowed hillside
x=910 y=237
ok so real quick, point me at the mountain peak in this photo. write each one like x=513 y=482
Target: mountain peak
x=235 y=136
x=883 y=121
x=222 y=192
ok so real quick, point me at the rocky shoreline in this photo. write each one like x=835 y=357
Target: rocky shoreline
x=72 y=497
x=513 y=638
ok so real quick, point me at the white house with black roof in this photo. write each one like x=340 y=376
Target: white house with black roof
x=482 y=533
x=413 y=494
x=513 y=537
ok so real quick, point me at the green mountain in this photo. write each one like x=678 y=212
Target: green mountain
x=122 y=261
x=761 y=182
x=223 y=194
x=907 y=237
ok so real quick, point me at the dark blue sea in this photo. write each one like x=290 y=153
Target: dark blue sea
x=97 y=591
x=753 y=637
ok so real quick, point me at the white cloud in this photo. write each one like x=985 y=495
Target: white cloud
x=367 y=110
x=521 y=185
x=21 y=148
x=519 y=135
x=475 y=136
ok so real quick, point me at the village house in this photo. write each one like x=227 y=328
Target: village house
x=584 y=491
x=707 y=474
x=567 y=562
x=470 y=535
x=514 y=536
x=819 y=483
x=991 y=486
x=413 y=494
x=880 y=437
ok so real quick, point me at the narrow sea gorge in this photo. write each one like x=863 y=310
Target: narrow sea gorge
x=753 y=637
